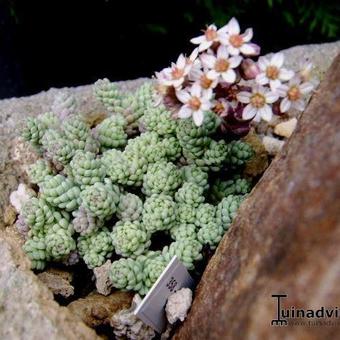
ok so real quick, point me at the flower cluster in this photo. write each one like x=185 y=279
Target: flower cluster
x=225 y=74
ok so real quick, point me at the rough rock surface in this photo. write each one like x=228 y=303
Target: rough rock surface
x=27 y=308
x=96 y=309
x=285 y=238
x=58 y=281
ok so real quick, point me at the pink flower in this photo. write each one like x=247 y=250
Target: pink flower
x=239 y=43
x=211 y=35
x=293 y=94
x=272 y=72
x=257 y=101
x=174 y=75
x=221 y=66
x=196 y=101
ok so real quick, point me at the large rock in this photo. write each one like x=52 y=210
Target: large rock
x=285 y=238
x=27 y=308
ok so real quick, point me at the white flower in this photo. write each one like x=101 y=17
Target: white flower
x=221 y=66
x=196 y=101
x=210 y=36
x=174 y=75
x=194 y=64
x=272 y=72
x=257 y=101
x=239 y=43
x=204 y=81
x=293 y=94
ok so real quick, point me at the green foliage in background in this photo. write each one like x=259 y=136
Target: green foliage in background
x=321 y=17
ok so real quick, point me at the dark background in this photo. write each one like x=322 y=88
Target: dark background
x=67 y=43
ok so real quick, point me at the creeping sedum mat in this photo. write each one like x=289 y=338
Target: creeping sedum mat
x=168 y=159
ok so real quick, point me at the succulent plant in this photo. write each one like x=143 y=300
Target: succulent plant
x=35 y=248
x=38 y=171
x=110 y=132
x=187 y=250
x=34 y=130
x=210 y=234
x=195 y=174
x=214 y=156
x=161 y=177
x=205 y=213
x=130 y=239
x=96 y=247
x=239 y=153
x=60 y=192
x=182 y=231
x=159 y=120
x=75 y=129
x=116 y=165
x=153 y=267
x=130 y=207
x=57 y=147
x=84 y=222
x=86 y=168
x=186 y=213
x=190 y=193
x=159 y=213
x=173 y=149
x=37 y=213
x=227 y=209
x=101 y=199
x=59 y=242
x=49 y=119
x=147 y=145
x=127 y=274
x=233 y=186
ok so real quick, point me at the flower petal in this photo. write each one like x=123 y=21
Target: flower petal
x=244 y=97
x=181 y=62
x=247 y=35
x=184 y=112
x=204 y=45
x=249 y=112
x=212 y=74
x=208 y=60
x=274 y=84
x=229 y=76
x=299 y=105
x=262 y=79
x=250 y=49
x=193 y=55
x=198 y=40
x=207 y=94
x=277 y=60
x=285 y=105
x=198 y=117
x=233 y=50
x=306 y=87
x=183 y=96
x=282 y=90
x=196 y=90
x=222 y=52
x=266 y=113
x=271 y=97
x=233 y=26
x=235 y=61
x=286 y=74
x=263 y=63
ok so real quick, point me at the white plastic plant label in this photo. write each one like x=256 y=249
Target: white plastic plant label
x=151 y=310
